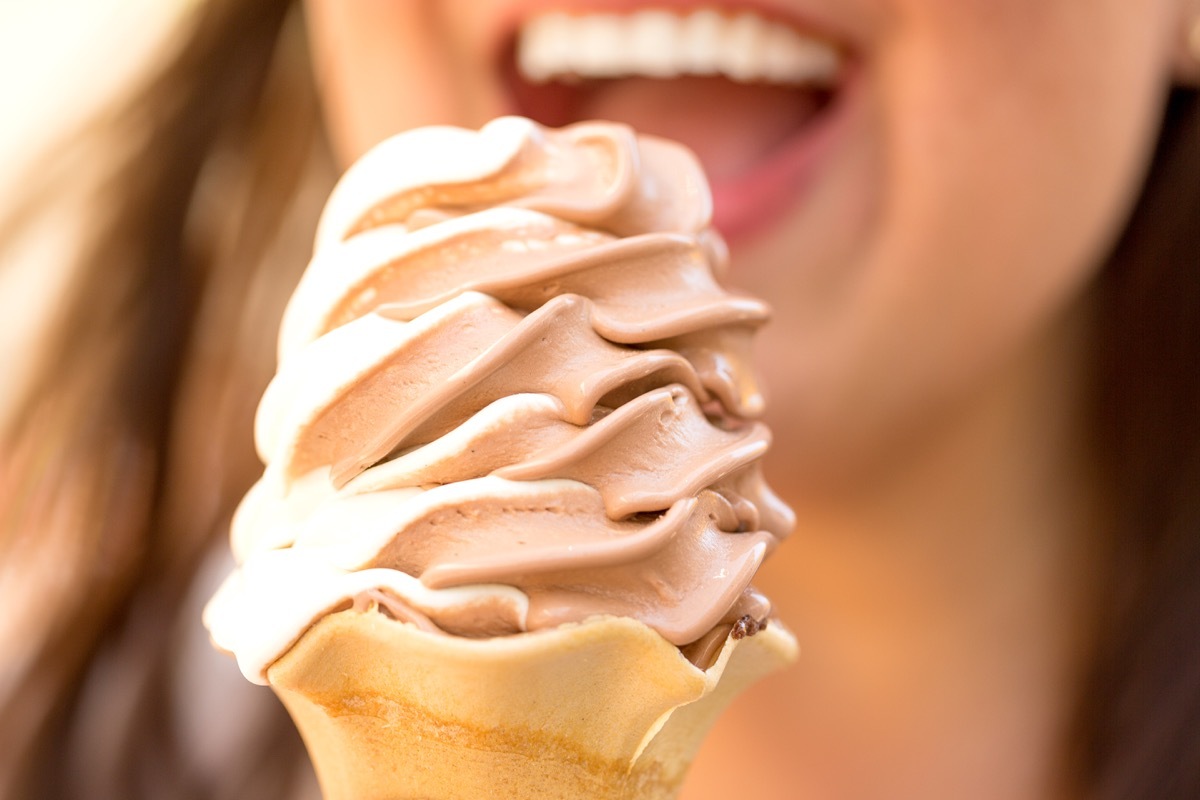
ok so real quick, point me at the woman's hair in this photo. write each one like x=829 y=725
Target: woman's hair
x=1139 y=727
x=133 y=443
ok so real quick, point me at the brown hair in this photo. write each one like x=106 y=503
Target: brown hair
x=134 y=443
x=1139 y=728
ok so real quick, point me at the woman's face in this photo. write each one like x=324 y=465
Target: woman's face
x=919 y=209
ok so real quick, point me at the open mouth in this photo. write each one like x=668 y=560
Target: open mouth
x=751 y=95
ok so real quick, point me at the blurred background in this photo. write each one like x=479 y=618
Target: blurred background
x=47 y=47
x=61 y=61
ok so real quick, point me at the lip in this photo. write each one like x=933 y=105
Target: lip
x=749 y=202
x=752 y=201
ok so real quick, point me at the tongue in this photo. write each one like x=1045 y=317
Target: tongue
x=732 y=127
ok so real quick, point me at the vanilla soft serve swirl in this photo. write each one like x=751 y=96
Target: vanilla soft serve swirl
x=511 y=395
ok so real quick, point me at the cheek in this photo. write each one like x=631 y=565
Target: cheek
x=1007 y=141
x=1015 y=144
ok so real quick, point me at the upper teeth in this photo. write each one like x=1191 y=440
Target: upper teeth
x=660 y=44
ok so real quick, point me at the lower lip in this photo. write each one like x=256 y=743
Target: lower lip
x=749 y=203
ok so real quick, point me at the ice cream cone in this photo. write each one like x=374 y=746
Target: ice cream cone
x=604 y=709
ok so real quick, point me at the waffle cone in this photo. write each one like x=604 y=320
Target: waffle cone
x=605 y=709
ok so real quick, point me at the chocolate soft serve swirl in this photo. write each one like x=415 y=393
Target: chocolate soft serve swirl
x=511 y=395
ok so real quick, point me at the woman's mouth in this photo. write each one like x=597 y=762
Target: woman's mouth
x=754 y=97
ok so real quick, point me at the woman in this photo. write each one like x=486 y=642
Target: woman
x=976 y=223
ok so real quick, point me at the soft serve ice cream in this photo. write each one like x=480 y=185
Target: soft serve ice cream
x=511 y=396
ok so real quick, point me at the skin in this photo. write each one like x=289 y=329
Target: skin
x=926 y=367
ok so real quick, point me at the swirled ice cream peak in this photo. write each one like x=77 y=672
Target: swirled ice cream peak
x=512 y=395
